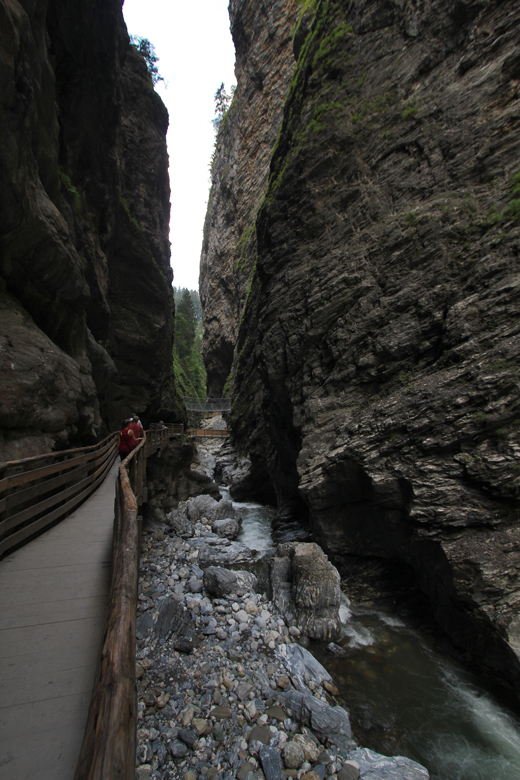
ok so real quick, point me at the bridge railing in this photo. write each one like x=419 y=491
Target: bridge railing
x=206 y=432
x=194 y=404
x=37 y=492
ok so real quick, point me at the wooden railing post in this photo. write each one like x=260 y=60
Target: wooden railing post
x=108 y=750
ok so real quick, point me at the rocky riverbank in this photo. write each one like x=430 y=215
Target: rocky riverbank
x=226 y=690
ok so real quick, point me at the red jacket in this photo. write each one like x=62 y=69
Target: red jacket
x=137 y=429
x=126 y=443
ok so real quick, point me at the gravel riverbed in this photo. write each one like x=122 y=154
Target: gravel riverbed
x=225 y=689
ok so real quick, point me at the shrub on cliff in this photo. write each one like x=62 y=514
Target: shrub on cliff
x=147 y=49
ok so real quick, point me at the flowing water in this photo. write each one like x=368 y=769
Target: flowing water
x=405 y=698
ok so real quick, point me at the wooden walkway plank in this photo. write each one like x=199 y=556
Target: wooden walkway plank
x=53 y=595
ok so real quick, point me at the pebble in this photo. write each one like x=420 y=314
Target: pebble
x=207 y=704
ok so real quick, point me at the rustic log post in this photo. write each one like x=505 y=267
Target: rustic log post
x=108 y=750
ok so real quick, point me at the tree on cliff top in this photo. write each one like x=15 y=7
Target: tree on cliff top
x=147 y=49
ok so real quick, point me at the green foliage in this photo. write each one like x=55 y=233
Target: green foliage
x=410 y=111
x=329 y=44
x=73 y=194
x=179 y=292
x=241 y=246
x=135 y=224
x=147 y=49
x=190 y=374
x=222 y=104
x=378 y=104
x=323 y=116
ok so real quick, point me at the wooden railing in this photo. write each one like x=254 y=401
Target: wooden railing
x=37 y=492
x=108 y=750
x=208 y=432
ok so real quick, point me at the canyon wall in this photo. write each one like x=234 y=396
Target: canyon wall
x=376 y=373
x=86 y=326
x=239 y=171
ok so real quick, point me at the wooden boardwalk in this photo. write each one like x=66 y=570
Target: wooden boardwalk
x=53 y=594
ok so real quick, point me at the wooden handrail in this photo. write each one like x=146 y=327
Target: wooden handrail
x=206 y=432
x=33 y=497
x=108 y=749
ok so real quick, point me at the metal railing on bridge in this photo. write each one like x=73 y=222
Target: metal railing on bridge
x=194 y=404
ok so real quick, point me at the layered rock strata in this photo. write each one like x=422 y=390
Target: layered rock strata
x=85 y=281
x=376 y=365
x=239 y=172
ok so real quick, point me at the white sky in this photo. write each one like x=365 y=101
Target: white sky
x=196 y=53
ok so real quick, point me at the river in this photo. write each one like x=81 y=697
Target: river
x=404 y=697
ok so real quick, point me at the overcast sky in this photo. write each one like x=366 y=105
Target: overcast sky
x=196 y=54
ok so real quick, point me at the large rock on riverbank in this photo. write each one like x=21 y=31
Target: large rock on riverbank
x=376 y=365
x=306 y=589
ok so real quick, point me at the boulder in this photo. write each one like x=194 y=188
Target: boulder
x=306 y=589
x=383 y=768
x=205 y=506
x=325 y=721
x=302 y=665
x=227 y=527
x=216 y=551
x=178 y=521
x=220 y=582
x=174 y=620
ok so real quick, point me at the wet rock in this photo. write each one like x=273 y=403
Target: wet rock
x=394 y=768
x=306 y=585
x=334 y=649
x=302 y=665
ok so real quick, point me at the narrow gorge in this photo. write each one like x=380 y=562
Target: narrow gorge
x=360 y=284
x=360 y=290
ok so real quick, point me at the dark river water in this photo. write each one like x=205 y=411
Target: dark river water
x=405 y=698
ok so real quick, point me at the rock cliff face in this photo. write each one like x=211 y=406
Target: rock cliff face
x=239 y=172
x=376 y=368
x=85 y=288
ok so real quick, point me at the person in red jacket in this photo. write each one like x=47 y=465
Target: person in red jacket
x=127 y=440
x=136 y=426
